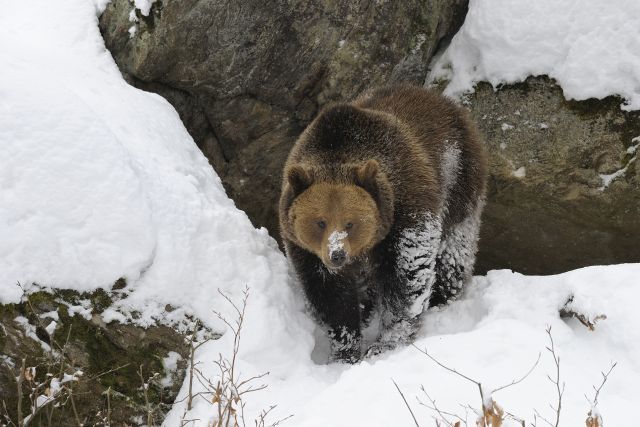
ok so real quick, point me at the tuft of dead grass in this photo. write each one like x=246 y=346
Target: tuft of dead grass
x=228 y=391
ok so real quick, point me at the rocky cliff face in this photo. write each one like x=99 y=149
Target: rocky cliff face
x=565 y=186
x=246 y=78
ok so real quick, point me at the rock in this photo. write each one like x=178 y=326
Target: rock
x=548 y=210
x=247 y=77
x=109 y=356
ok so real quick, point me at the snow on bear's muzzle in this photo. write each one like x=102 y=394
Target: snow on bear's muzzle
x=337 y=254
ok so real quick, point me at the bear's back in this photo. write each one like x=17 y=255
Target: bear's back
x=443 y=130
x=411 y=132
x=346 y=134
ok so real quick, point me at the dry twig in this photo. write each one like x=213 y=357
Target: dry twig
x=594 y=419
x=556 y=381
x=406 y=403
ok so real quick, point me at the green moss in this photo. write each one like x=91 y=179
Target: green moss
x=100 y=300
x=9 y=311
x=116 y=367
x=42 y=300
x=110 y=356
x=71 y=297
x=121 y=283
x=593 y=108
x=7 y=314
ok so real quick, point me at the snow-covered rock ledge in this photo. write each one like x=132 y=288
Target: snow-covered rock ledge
x=565 y=190
x=592 y=49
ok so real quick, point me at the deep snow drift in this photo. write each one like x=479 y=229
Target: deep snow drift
x=99 y=180
x=592 y=48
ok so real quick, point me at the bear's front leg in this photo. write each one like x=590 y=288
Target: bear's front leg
x=334 y=301
x=410 y=267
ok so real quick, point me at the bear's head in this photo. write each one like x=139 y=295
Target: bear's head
x=338 y=220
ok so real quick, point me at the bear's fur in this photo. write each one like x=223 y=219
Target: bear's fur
x=380 y=212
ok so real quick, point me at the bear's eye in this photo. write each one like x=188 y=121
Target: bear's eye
x=322 y=225
x=349 y=226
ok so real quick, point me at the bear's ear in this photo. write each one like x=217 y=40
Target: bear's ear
x=366 y=175
x=298 y=178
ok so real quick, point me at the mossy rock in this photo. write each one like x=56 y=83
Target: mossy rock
x=111 y=357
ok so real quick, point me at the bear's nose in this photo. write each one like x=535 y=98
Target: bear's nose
x=338 y=257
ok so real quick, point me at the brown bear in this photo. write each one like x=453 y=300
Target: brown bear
x=380 y=213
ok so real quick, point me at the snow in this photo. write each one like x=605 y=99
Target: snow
x=417 y=249
x=336 y=241
x=449 y=168
x=521 y=172
x=607 y=179
x=7 y=361
x=30 y=332
x=633 y=148
x=591 y=48
x=144 y=6
x=50 y=315
x=51 y=327
x=99 y=180
x=83 y=309
x=493 y=334
x=170 y=365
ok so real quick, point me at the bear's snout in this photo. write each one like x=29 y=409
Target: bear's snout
x=338 y=258
x=336 y=251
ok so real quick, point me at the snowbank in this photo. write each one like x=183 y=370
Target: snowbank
x=494 y=335
x=99 y=180
x=592 y=48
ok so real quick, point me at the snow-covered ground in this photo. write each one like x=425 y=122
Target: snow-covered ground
x=99 y=180
x=592 y=48
x=493 y=334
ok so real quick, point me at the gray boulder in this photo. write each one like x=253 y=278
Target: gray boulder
x=247 y=76
x=565 y=188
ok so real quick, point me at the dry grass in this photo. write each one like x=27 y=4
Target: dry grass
x=228 y=391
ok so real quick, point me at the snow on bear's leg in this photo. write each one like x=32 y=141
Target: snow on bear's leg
x=456 y=257
x=415 y=253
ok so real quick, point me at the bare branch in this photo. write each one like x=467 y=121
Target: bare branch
x=406 y=403
x=605 y=377
x=441 y=413
x=20 y=380
x=514 y=382
x=446 y=367
x=109 y=371
x=227 y=390
x=477 y=383
x=559 y=388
